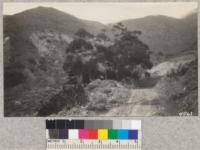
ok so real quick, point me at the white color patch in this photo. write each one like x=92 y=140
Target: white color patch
x=136 y=124
x=73 y=134
x=126 y=124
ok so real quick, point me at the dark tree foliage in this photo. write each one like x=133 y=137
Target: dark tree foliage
x=80 y=70
x=81 y=60
x=78 y=45
x=13 y=78
x=126 y=53
x=82 y=33
x=87 y=71
x=160 y=53
x=102 y=36
x=130 y=50
x=73 y=65
x=73 y=94
x=118 y=60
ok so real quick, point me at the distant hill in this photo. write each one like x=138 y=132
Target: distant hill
x=44 y=18
x=192 y=29
x=166 y=34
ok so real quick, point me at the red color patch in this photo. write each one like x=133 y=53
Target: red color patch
x=93 y=134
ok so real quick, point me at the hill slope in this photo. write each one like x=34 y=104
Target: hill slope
x=166 y=34
x=39 y=36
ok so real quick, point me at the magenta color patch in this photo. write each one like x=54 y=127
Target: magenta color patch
x=83 y=134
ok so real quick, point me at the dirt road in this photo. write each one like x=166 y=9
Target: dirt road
x=142 y=102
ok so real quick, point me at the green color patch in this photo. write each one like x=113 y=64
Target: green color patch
x=112 y=134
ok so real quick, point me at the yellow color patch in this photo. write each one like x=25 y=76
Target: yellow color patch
x=102 y=134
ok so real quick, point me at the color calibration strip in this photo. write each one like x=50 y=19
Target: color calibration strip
x=93 y=134
x=93 y=129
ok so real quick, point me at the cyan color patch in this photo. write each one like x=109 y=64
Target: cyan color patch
x=123 y=134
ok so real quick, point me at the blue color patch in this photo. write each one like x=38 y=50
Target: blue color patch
x=133 y=134
x=123 y=134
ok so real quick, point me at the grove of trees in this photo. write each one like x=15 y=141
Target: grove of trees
x=90 y=57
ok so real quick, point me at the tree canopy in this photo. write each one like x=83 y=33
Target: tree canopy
x=89 y=59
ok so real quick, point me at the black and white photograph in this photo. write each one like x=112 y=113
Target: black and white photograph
x=100 y=59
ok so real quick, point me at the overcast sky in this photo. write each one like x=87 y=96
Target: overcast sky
x=109 y=12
